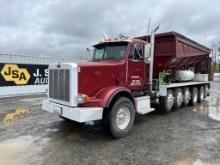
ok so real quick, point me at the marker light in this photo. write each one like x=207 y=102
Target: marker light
x=81 y=98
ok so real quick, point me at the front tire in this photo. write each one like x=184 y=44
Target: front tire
x=120 y=118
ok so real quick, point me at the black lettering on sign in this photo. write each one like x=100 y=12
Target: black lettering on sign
x=9 y=71
x=15 y=74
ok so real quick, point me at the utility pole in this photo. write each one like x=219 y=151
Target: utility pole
x=213 y=55
x=218 y=57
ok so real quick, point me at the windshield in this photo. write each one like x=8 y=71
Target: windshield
x=113 y=51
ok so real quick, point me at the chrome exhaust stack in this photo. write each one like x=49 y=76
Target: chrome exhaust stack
x=151 y=59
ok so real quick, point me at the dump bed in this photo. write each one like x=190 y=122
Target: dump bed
x=174 y=51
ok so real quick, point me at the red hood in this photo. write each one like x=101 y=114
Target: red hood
x=93 y=76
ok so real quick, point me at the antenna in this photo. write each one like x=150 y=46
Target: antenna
x=104 y=36
x=148 y=27
x=154 y=31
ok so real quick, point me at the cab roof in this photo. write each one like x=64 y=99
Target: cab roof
x=116 y=40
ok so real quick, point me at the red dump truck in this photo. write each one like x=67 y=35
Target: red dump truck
x=126 y=76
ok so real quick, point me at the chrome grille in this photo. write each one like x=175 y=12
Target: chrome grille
x=59 y=84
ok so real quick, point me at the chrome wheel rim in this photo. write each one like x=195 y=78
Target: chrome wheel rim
x=170 y=101
x=123 y=117
x=179 y=98
x=187 y=97
x=195 y=98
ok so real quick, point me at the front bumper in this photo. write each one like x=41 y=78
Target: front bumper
x=79 y=114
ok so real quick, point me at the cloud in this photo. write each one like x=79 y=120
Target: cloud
x=66 y=28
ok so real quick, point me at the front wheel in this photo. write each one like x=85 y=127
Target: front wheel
x=120 y=118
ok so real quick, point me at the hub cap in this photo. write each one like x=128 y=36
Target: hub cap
x=123 y=118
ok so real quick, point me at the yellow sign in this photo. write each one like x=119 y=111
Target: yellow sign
x=11 y=72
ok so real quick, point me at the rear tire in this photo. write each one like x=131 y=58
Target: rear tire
x=178 y=94
x=167 y=102
x=194 y=98
x=207 y=90
x=186 y=96
x=119 y=119
x=201 y=94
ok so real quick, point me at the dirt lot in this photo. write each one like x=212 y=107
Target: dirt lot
x=190 y=135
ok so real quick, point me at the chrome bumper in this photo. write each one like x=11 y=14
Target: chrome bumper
x=79 y=114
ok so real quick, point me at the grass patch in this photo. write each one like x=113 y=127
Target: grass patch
x=216 y=68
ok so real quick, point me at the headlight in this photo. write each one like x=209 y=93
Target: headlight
x=81 y=98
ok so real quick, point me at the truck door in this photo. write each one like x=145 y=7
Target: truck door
x=136 y=69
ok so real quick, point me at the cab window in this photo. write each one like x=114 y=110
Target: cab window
x=136 y=52
x=109 y=51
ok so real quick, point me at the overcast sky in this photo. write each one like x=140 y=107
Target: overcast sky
x=67 y=27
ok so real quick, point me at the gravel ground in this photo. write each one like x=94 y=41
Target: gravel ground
x=190 y=135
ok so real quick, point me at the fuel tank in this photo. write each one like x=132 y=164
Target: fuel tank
x=184 y=75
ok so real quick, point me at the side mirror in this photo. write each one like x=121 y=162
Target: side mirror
x=89 y=53
x=147 y=56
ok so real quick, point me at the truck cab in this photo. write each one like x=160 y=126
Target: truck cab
x=85 y=91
